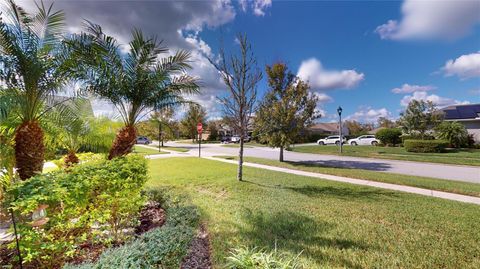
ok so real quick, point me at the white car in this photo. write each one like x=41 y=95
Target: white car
x=329 y=140
x=364 y=140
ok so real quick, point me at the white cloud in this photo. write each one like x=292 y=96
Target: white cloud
x=311 y=70
x=407 y=88
x=323 y=98
x=465 y=66
x=369 y=114
x=435 y=99
x=433 y=19
x=259 y=6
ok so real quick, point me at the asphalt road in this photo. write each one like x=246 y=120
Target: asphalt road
x=441 y=171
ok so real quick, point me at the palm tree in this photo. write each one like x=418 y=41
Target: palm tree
x=31 y=72
x=136 y=82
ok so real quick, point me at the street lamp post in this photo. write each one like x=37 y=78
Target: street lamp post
x=339 y=111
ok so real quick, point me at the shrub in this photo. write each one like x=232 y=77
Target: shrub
x=425 y=146
x=246 y=258
x=453 y=132
x=93 y=202
x=389 y=136
x=162 y=247
x=83 y=157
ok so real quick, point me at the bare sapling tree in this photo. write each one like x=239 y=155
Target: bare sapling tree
x=241 y=75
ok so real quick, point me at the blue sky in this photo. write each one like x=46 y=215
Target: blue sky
x=341 y=35
x=353 y=53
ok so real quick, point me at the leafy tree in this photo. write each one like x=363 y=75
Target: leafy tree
x=453 y=132
x=31 y=70
x=212 y=127
x=287 y=109
x=385 y=123
x=241 y=76
x=389 y=136
x=136 y=82
x=356 y=128
x=195 y=114
x=163 y=119
x=419 y=117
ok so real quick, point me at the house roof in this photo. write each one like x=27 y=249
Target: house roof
x=326 y=127
x=462 y=112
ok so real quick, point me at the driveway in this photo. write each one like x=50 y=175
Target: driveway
x=441 y=171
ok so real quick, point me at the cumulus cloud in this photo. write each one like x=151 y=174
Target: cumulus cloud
x=369 y=114
x=465 y=66
x=323 y=98
x=432 y=19
x=177 y=23
x=407 y=88
x=320 y=79
x=435 y=99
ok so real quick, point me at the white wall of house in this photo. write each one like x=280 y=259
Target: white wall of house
x=473 y=128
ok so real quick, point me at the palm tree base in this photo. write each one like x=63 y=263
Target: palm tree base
x=124 y=142
x=71 y=159
x=29 y=149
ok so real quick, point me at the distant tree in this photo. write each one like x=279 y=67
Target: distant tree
x=356 y=128
x=212 y=127
x=385 y=123
x=419 y=117
x=454 y=132
x=241 y=76
x=195 y=114
x=287 y=109
x=163 y=120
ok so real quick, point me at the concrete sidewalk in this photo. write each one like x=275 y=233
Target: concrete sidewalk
x=388 y=186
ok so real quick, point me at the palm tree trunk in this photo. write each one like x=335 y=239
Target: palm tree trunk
x=71 y=159
x=240 y=161
x=124 y=142
x=29 y=149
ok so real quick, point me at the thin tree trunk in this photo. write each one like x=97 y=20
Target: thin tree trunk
x=240 y=161
x=281 y=153
x=124 y=142
x=29 y=149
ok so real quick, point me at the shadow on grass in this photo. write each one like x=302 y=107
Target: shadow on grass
x=373 y=166
x=295 y=233
x=358 y=193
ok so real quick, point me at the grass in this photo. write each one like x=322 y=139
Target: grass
x=331 y=224
x=414 y=181
x=461 y=156
x=146 y=151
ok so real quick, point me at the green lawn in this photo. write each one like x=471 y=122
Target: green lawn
x=146 y=151
x=414 y=181
x=462 y=156
x=331 y=224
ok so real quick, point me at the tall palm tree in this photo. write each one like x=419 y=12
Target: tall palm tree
x=30 y=70
x=136 y=82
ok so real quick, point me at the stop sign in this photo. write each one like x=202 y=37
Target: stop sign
x=199 y=128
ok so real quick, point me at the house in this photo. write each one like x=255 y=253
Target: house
x=468 y=115
x=330 y=128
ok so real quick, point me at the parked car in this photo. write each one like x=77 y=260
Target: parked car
x=236 y=139
x=225 y=139
x=364 y=140
x=330 y=140
x=143 y=140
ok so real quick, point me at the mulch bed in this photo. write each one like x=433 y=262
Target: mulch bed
x=198 y=256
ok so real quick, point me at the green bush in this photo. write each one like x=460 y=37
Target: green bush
x=94 y=202
x=389 y=136
x=83 y=157
x=162 y=247
x=416 y=137
x=246 y=258
x=453 y=132
x=425 y=146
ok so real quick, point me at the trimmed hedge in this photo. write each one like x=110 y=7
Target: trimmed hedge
x=163 y=247
x=425 y=146
x=389 y=136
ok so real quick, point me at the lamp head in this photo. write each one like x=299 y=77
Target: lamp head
x=339 y=110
